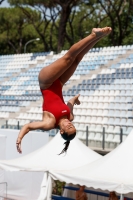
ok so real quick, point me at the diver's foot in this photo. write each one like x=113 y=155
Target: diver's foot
x=101 y=32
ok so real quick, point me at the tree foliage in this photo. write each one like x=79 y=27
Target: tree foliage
x=61 y=23
x=15 y=30
x=119 y=15
x=1 y=1
x=56 y=8
x=58 y=187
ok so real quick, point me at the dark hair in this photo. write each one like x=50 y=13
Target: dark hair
x=68 y=138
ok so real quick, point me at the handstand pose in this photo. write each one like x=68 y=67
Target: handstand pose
x=51 y=80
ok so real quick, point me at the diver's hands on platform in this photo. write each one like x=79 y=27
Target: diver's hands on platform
x=18 y=145
x=77 y=102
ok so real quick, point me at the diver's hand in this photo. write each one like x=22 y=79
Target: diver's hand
x=77 y=102
x=18 y=145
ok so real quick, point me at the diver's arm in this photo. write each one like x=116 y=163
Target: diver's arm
x=29 y=127
x=71 y=104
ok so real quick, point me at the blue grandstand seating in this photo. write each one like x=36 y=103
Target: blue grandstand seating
x=106 y=98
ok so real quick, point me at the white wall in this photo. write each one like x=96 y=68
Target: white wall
x=23 y=185
x=2 y=156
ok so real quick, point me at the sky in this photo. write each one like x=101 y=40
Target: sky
x=4 y=4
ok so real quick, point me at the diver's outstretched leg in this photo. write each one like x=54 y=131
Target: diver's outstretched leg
x=69 y=72
x=55 y=70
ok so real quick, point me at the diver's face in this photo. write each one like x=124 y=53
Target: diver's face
x=67 y=127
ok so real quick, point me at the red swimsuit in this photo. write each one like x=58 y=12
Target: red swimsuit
x=53 y=101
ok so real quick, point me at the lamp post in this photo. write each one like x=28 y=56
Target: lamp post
x=30 y=42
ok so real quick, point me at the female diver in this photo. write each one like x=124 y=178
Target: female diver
x=51 y=80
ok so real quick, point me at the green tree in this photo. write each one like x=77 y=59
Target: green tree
x=115 y=13
x=119 y=16
x=53 y=11
x=41 y=20
x=1 y=1
x=61 y=23
x=86 y=18
x=15 y=30
x=58 y=187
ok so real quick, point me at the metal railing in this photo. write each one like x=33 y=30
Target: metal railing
x=103 y=139
x=16 y=127
x=87 y=133
x=103 y=194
